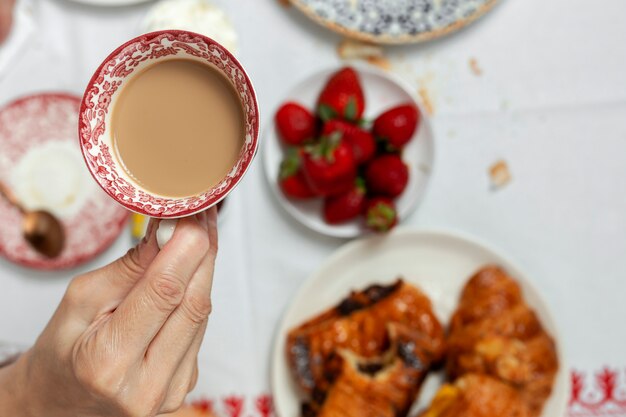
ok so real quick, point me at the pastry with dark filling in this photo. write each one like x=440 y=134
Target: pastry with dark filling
x=382 y=386
x=368 y=354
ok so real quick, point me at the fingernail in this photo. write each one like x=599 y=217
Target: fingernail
x=165 y=231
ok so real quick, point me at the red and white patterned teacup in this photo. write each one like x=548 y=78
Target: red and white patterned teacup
x=100 y=97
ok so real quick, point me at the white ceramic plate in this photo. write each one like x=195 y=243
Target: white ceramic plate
x=382 y=91
x=440 y=263
x=41 y=164
x=394 y=21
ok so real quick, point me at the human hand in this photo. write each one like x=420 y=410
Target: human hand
x=125 y=338
x=6 y=18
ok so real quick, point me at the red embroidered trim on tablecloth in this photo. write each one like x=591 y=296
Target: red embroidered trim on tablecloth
x=237 y=406
x=594 y=394
x=600 y=393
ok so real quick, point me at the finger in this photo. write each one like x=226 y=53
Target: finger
x=173 y=340
x=6 y=19
x=147 y=307
x=102 y=290
x=185 y=377
x=194 y=378
x=212 y=224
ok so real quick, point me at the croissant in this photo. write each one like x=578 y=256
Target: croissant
x=494 y=332
x=359 y=324
x=475 y=395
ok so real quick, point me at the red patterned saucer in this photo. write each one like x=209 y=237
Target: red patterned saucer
x=103 y=90
x=40 y=162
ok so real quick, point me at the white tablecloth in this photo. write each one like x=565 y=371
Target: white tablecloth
x=551 y=102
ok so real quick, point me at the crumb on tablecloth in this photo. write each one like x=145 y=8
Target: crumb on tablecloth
x=374 y=54
x=499 y=174
x=380 y=62
x=474 y=67
x=427 y=100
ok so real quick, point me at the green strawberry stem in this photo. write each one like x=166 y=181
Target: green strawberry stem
x=365 y=123
x=326 y=112
x=360 y=185
x=350 y=111
x=326 y=148
x=291 y=164
x=380 y=217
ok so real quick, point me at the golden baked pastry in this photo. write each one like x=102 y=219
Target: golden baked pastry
x=475 y=395
x=359 y=324
x=384 y=386
x=494 y=332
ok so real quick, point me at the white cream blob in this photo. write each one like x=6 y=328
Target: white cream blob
x=52 y=177
x=200 y=16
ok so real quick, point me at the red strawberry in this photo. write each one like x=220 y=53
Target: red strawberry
x=397 y=125
x=362 y=141
x=347 y=206
x=342 y=97
x=291 y=179
x=387 y=175
x=381 y=214
x=295 y=123
x=329 y=167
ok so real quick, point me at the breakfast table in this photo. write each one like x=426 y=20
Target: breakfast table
x=539 y=86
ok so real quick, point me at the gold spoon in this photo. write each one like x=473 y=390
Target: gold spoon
x=40 y=228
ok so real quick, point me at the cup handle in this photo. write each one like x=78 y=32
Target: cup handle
x=165 y=231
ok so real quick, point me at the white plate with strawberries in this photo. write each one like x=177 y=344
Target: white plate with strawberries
x=349 y=151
